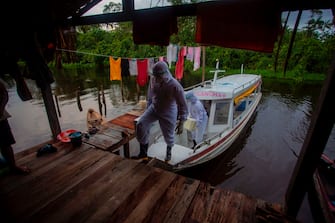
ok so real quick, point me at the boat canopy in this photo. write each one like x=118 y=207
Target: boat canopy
x=245 y=94
x=229 y=87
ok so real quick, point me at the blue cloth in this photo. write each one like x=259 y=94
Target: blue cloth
x=166 y=104
x=198 y=112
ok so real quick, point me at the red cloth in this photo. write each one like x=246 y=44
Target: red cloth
x=180 y=63
x=155 y=27
x=254 y=26
x=142 y=75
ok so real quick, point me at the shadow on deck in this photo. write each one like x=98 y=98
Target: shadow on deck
x=86 y=184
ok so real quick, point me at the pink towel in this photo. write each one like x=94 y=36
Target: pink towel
x=197 y=56
x=190 y=53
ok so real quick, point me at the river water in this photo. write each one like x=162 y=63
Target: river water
x=259 y=164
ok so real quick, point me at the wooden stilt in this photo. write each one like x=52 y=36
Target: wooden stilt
x=57 y=105
x=104 y=100
x=78 y=99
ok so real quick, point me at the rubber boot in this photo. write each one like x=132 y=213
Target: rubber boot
x=143 y=151
x=168 y=153
x=194 y=144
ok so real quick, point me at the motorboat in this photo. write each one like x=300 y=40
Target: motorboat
x=230 y=102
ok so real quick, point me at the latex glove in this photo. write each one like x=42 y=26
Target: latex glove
x=180 y=127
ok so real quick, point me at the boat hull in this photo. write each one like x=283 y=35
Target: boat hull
x=221 y=132
x=221 y=145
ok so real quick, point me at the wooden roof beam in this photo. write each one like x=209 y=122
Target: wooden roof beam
x=128 y=15
x=190 y=10
x=87 y=7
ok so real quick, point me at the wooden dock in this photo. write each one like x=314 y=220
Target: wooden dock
x=91 y=184
x=116 y=133
x=87 y=184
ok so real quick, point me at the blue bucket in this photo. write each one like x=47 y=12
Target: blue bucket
x=76 y=139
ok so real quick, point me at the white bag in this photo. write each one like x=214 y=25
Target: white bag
x=190 y=124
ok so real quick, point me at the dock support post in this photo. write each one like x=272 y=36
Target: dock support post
x=316 y=139
x=126 y=145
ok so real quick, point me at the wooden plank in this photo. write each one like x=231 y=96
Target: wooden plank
x=233 y=207
x=138 y=205
x=218 y=206
x=112 y=133
x=267 y=212
x=39 y=166
x=137 y=113
x=32 y=149
x=101 y=141
x=198 y=210
x=62 y=149
x=86 y=197
x=86 y=184
x=46 y=187
x=126 y=120
x=121 y=191
x=117 y=128
x=248 y=209
x=175 y=202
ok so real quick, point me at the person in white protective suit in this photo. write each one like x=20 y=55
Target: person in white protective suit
x=198 y=112
x=167 y=105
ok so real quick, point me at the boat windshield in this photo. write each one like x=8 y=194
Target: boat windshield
x=221 y=113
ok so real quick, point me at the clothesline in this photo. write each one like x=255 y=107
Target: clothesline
x=175 y=53
x=102 y=55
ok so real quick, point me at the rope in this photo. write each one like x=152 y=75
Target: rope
x=100 y=55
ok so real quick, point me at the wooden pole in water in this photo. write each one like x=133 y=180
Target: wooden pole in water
x=121 y=83
x=138 y=91
x=104 y=100
x=99 y=102
x=203 y=64
x=78 y=99
x=57 y=105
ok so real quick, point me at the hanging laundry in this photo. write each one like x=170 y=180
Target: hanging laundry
x=180 y=63
x=190 y=53
x=197 y=55
x=132 y=67
x=171 y=54
x=151 y=63
x=142 y=68
x=154 y=27
x=115 y=69
x=125 y=67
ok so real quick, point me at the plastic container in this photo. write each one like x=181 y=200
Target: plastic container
x=76 y=139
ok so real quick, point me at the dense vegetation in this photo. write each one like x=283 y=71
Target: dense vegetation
x=310 y=58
